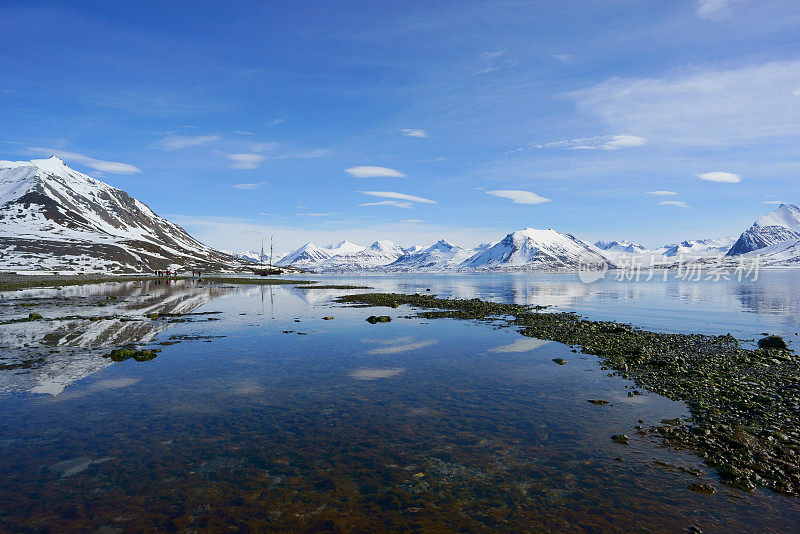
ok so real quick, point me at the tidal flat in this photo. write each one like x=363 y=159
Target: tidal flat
x=453 y=414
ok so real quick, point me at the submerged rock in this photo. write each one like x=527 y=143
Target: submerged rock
x=620 y=438
x=560 y=361
x=120 y=355
x=772 y=342
x=372 y=319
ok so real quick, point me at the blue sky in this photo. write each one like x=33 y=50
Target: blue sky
x=411 y=121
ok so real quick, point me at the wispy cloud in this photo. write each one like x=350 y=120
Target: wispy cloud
x=776 y=202
x=711 y=9
x=263 y=147
x=250 y=186
x=721 y=177
x=662 y=193
x=395 y=203
x=519 y=197
x=413 y=221
x=373 y=172
x=178 y=142
x=678 y=203
x=703 y=108
x=309 y=154
x=615 y=143
x=414 y=132
x=276 y=122
x=314 y=214
x=600 y=142
x=245 y=161
x=399 y=196
x=562 y=57
x=112 y=167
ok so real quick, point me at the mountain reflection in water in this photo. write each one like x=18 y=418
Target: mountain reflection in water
x=80 y=324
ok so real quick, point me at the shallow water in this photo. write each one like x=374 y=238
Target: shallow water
x=267 y=416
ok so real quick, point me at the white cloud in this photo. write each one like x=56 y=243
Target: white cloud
x=776 y=202
x=245 y=161
x=310 y=154
x=413 y=221
x=275 y=122
x=519 y=197
x=662 y=193
x=722 y=177
x=623 y=141
x=603 y=142
x=395 y=203
x=701 y=108
x=414 y=132
x=250 y=186
x=399 y=196
x=373 y=172
x=112 y=167
x=314 y=214
x=263 y=147
x=492 y=55
x=710 y=9
x=678 y=203
x=178 y=142
x=562 y=57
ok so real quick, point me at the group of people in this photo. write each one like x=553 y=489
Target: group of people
x=169 y=272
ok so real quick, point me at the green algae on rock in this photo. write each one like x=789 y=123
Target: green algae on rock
x=745 y=403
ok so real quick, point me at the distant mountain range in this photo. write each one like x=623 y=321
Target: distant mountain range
x=774 y=239
x=55 y=218
x=527 y=249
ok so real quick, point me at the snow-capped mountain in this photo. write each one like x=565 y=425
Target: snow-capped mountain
x=697 y=247
x=776 y=227
x=344 y=247
x=307 y=256
x=536 y=249
x=527 y=249
x=623 y=246
x=378 y=254
x=53 y=217
x=441 y=256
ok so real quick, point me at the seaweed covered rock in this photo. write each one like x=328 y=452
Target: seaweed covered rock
x=372 y=319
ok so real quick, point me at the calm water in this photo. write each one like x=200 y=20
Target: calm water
x=268 y=417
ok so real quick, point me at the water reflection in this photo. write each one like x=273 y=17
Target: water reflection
x=745 y=307
x=525 y=344
x=80 y=323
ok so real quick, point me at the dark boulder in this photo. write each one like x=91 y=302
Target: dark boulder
x=772 y=342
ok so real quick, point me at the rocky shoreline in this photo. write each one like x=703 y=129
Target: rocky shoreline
x=745 y=403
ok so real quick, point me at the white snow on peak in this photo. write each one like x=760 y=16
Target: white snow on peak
x=786 y=215
x=781 y=224
x=53 y=216
x=344 y=247
x=536 y=249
